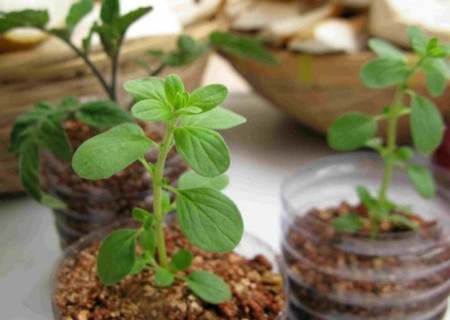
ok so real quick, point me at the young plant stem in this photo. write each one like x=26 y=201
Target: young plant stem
x=114 y=72
x=157 y=193
x=391 y=145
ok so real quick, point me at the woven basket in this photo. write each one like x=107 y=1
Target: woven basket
x=52 y=71
x=316 y=90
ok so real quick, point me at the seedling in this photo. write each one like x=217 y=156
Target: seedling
x=393 y=68
x=208 y=218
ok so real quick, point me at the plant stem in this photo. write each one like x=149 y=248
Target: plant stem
x=157 y=193
x=158 y=70
x=94 y=69
x=391 y=145
x=114 y=68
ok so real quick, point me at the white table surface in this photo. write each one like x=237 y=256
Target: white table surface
x=264 y=151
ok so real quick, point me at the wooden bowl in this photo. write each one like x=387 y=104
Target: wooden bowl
x=317 y=89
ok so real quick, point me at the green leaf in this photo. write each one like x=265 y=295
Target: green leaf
x=163 y=277
x=352 y=131
x=110 y=10
x=436 y=78
x=365 y=197
x=422 y=180
x=165 y=201
x=29 y=168
x=348 y=223
x=110 y=152
x=384 y=72
x=52 y=202
x=189 y=110
x=404 y=221
x=181 y=260
x=417 y=40
x=151 y=110
x=148 y=241
x=217 y=119
x=117 y=256
x=404 y=153
x=209 y=219
x=102 y=114
x=427 y=125
x=241 y=46
x=203 y=149
x=77 y=12
x=128 y=19
x=173 y=85
x=25 y=18
x=110 y=37
x=53 y=137
x=140 y=214
x=209 y=287
x=187 y=51
x=139 y=265
x=192 y=180
x=208 y=97
x=386 y=50
x=146 y=88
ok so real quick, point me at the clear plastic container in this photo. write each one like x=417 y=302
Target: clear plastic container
x=330 y=276
x=249 y=247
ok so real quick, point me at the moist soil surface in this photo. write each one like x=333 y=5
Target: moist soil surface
x=94 y=204
x=343 y=274
x=257 y=291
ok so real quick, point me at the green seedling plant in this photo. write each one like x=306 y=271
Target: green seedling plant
x=42 y=127
x=392 y=68
x=208 y=218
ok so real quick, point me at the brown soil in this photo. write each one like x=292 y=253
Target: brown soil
x=93 y=204
x=342 y=274
x=257 y=291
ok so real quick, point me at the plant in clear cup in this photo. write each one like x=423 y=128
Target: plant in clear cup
x=208 y=219
x=382 y=252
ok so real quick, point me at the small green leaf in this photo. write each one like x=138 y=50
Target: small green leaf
x=404 y=221
x=173 y=86
x=52 y=202
x=209 y=287
x=53 y=137
x=436 y=78
x=78 y=11
x=163 y=277
x=218 y=119
x=165 y=201
x=117 y=256
x=417 y=40
x=384 y=72
x=192 y=180
x=209 y=219
x=349 y=223
x=404 y=153
x=110 y=10
x=140 y=214
x=189 y=110
x=181 y=260
x=110 y=152
x=352 y=131
x=365 y=197
x=128 y=19
x=151 y=110
x=422 y=180
x=242 y=46
x=386 y=50
x=427 y=125
x=29 y=168
x=203 y=149
x=146 y=88
x=148 y=241
x=208 y=97
x=139 y=265
x=102 y=114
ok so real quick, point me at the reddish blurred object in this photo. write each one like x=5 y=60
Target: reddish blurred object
x=441 y=156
